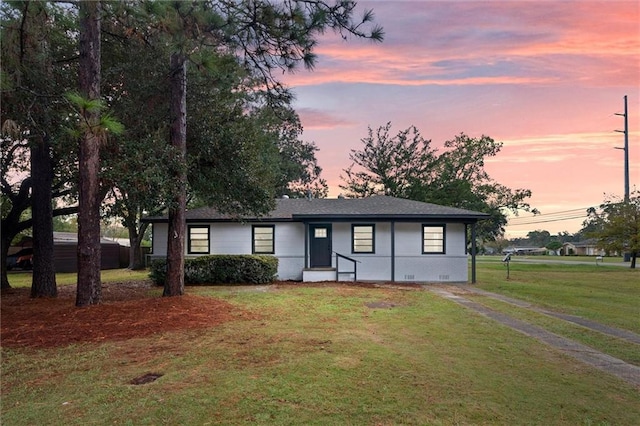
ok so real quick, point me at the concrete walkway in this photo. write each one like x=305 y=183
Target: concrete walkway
x=627 y=372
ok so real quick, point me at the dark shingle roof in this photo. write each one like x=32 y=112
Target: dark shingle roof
x=585 y=243
x=377 y=207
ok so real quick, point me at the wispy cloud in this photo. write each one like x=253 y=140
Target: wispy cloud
x=570 y=148
x=544 y=77
x=317 y=119
x=474 y=43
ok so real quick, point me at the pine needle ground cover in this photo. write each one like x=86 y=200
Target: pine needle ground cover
x=292 y=354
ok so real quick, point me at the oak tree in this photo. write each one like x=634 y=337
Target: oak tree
x=617 y=225
x=405 y=165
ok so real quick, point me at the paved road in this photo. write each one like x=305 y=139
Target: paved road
x=627 y=372
x=552 y=259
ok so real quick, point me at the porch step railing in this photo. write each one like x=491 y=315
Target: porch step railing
x=353 y=261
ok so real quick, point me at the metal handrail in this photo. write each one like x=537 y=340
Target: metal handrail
x=355 y=266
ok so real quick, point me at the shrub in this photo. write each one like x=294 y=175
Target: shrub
x=221 y=269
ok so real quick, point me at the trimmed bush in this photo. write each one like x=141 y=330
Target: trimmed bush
x=221 y=269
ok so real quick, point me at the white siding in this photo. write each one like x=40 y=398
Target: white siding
x=235 y=238
x=159 y=243
x=373 y=266
x=289 y=247
x=230 y=238
x=410 y=264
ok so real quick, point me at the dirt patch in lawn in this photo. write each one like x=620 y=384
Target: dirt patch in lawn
x=128 y=310
x=381 y=305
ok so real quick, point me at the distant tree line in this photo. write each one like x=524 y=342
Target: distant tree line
x=614 y=226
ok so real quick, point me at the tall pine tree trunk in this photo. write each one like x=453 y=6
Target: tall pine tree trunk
x=174 y=284
x=89 y=285
x=43 y=282
x=43 y=279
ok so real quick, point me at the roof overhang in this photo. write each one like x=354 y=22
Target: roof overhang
x=334 y=218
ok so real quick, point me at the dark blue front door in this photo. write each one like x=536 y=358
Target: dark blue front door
x=320 y=247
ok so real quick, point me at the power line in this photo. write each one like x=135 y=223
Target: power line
x=558 y=213
x=582 y=209
x=550 y=217
x=533 y=222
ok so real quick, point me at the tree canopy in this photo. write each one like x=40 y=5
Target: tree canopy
x=263 y=36
x=616 y=225
x=406 y=165
x=38 y=68
x=244 y=142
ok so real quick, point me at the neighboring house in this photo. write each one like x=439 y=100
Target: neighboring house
x=65 y=252
x=582 y=248
x=378 y=238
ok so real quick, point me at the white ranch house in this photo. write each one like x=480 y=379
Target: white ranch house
x=378 y=238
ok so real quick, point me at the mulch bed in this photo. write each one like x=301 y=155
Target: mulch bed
x=127 y=311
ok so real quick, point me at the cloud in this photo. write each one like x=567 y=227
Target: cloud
x=317 y=119
x=562 y=149
x=471 y=43
x=544 y=77
x=585 y=141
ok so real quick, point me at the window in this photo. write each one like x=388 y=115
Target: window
x=320 y=233
x=198 y=239
x=263 y=241
x=432 y=239
x=363 y=239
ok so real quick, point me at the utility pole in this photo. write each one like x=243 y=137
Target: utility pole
x=626 y=149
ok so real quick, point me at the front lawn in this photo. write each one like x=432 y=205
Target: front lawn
x=20 y=279
x=323 y=354
x=607 y=294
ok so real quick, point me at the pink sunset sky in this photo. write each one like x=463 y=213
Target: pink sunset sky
x=544 y=77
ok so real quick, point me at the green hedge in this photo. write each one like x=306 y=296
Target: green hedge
x=221 y=269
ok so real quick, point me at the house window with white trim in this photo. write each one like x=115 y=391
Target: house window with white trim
x=363 y=238
x=263 y=239
x=198 y=241
x=433 y=241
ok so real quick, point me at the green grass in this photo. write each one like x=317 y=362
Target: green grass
x=619 y=348
x=607 y=294
x=589 y=259
x=23 y=279
x=318 y=355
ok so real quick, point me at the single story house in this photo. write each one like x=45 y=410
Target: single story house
x=378 y=238
x=582 y=248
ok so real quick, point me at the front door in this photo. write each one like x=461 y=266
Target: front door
x=320 y=247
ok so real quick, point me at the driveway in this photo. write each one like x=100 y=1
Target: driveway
x=625 y=371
